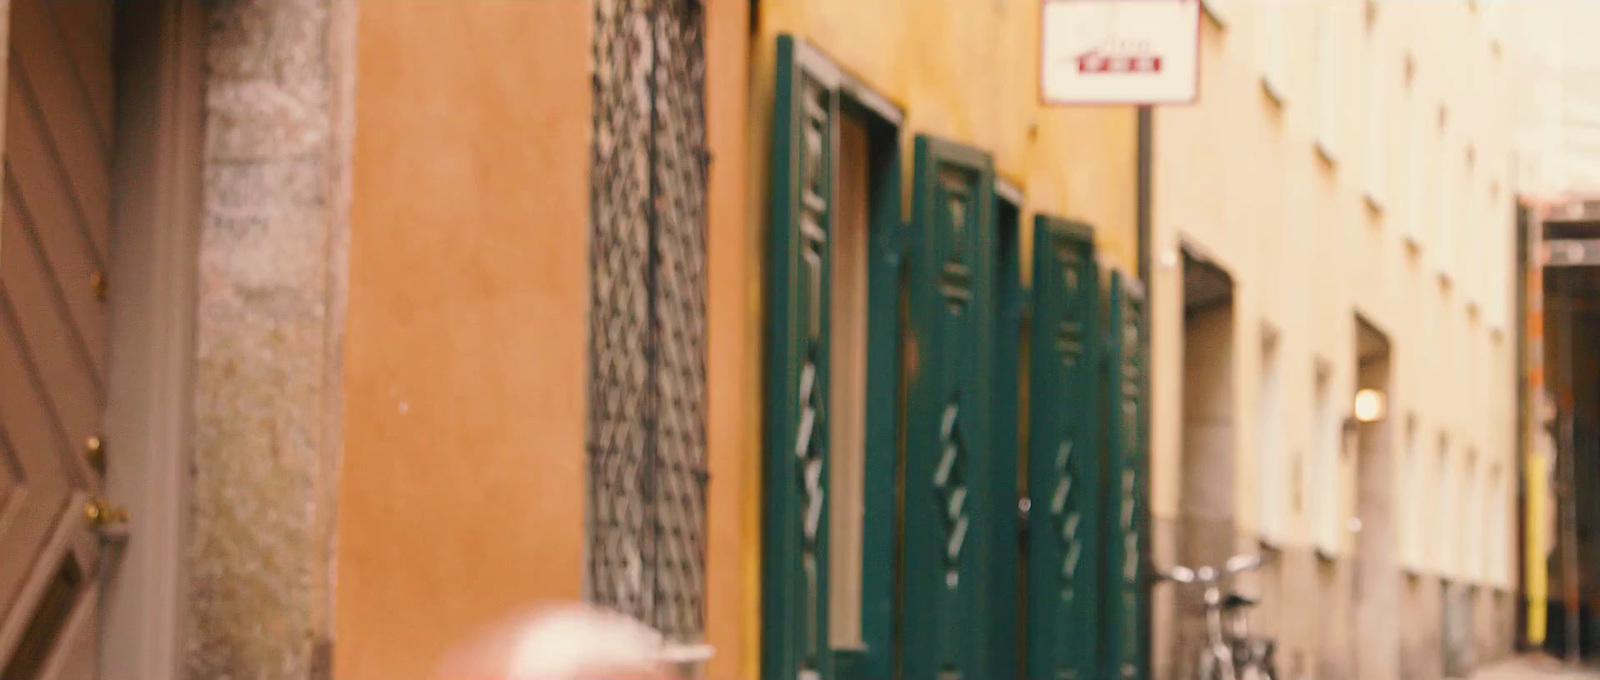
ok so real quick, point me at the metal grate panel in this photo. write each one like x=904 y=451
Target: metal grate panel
x=647 y=403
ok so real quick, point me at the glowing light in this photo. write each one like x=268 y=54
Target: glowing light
x=1369 y=405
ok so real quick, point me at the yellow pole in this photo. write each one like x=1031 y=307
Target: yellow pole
x=1536 y=578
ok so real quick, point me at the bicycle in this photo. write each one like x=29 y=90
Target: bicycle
x=1231 y=653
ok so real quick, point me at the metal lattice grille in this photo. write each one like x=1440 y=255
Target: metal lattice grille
x=647 y=316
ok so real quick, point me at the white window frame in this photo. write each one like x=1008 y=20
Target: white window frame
x=1468 y=241
x=1414 y=177
x=1485 y=249
x=1445 y=237
x=1327 y=69
x=1495 y=251
x=1490 y=542
x=1377 y=125
x=1273 y=48
x=1326 y=445
x=1273 y=479
x=1412 y=495
x=1443 y=483
x=1500 y=559
x=1471 y=506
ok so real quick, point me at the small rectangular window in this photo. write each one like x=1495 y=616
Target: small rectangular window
x=1444 y=216
x=1377 y=124
x=1327 y=74
x=1273 y=45
x=1325 y=447
x=847 y=385
x=1490 y=248
x=1499 y=553
x=1489 y=535
x=646 y=402
x=1469 y=519
x=1410 y=478
x=1269 y=443
x=1445 y=510
x=1415 y=182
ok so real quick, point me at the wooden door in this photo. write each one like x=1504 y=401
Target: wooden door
x=54 y=254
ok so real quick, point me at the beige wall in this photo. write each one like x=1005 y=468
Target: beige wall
x=461 y=496
x=1240 y=175
x=1313 y=236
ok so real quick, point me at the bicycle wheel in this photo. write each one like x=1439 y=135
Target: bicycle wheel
x=1213 y=666
x=1255 y=670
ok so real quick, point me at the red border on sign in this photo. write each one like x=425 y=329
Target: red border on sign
x=1039 y=82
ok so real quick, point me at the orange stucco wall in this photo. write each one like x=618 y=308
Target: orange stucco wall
x=462 y=488
x=733 y=373
x=461 y=491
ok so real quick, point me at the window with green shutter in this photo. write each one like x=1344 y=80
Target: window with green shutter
x=1010 y=307
x=832 y=374
x=894 y=357
x=948 y=505
x=1127 y=486
x=1065 y=470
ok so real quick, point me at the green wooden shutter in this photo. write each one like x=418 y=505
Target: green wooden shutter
x=947 y=438
x=1065 y=540
x=881 y=479
x=795 y=539
x=1127 y=511
x=1008 y=312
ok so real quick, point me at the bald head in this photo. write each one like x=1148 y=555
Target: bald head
x=565 y=643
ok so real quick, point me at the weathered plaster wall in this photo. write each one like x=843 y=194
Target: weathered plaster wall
x=1164 y=598
x=267 y=377
x=968 y=71
x=1422 y=634
x=1313 y=236
x=462 y=492
x=733 y=377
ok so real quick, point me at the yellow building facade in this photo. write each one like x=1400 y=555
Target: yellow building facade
x=963 y=72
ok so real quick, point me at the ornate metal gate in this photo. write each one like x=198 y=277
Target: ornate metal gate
x=647 y=322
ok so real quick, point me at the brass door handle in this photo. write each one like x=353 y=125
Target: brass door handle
x=102 y=513
x=106 y=518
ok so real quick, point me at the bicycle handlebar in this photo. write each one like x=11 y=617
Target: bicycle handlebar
x=1233 y=565
x=1239 y=563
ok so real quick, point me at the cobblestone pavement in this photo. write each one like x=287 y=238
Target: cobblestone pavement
x=1536 y=668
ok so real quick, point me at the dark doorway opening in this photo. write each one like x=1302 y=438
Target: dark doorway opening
x=1206 y=533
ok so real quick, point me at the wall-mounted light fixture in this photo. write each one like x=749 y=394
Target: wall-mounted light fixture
x=1370 y=405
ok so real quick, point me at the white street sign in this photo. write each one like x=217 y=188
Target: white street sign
x=1120 y=51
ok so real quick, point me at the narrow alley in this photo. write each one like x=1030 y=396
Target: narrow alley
x=800 y=339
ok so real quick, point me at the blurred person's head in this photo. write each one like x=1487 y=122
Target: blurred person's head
x=573 y=642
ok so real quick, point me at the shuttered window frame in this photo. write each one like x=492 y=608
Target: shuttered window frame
x=1011 y=309
x=946 y=586
x=1127 y=574
x=811 y=96
x=1067 y=532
